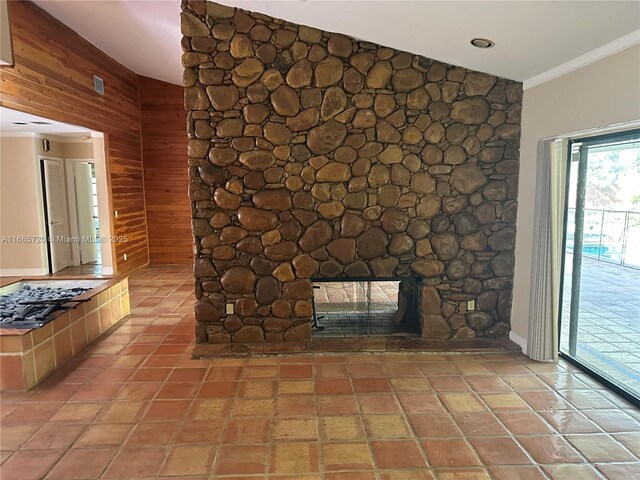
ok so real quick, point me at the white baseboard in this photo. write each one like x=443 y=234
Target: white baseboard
x=517 y=339
x=22 y=272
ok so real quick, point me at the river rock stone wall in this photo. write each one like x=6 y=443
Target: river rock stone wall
x=312 y=154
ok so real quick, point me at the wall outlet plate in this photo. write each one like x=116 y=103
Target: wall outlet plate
x=471 y=305
x=229 y=308
x=125 y=256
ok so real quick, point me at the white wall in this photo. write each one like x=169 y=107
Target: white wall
x=6 y=55
x=75 y=149
x=21 y=208
x=601 y=94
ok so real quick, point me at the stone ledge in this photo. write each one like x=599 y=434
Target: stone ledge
x=358 y=345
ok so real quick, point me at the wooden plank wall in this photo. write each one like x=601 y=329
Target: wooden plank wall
x=166 y=179
x=53 y=77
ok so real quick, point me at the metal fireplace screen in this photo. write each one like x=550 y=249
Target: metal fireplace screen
x=356 y=308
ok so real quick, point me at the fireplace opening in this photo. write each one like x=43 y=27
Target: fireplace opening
x=347 y=308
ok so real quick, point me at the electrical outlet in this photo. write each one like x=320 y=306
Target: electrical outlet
x=115 y=213
x=229 y=308
x=125 y=256
x=471 y=305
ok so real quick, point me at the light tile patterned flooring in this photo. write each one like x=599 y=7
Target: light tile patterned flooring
x=92 y=269
x=135 y=406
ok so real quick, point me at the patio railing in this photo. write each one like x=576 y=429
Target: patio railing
x=611 y=236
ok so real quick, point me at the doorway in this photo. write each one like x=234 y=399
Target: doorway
x=600 y=294
x=70 y=194
x=42 y=161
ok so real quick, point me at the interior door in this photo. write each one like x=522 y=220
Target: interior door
x=84 y=209
x=56 y=214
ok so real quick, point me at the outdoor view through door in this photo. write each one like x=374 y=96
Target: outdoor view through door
x=600 y=303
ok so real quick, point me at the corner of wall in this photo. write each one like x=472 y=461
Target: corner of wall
x=144 y=188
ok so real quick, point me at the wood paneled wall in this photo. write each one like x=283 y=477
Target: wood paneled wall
x=164 y=147
x=53 y=77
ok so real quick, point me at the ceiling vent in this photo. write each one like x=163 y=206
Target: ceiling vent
x=98 y=84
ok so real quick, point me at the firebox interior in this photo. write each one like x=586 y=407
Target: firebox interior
x=346 y=308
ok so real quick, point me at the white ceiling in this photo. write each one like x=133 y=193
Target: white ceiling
x=531 y=37
x=143 y=35
x=11 y=124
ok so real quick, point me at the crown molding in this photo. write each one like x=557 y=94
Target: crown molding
x=588 y=58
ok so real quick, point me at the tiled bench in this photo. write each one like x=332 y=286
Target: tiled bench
x=28 y=356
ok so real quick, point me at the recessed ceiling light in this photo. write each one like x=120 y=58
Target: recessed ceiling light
x=19 y=123
x=482 y=43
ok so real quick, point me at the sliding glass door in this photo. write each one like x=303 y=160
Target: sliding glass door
x=600 y=297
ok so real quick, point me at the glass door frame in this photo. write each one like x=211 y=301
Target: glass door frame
x=586 y=141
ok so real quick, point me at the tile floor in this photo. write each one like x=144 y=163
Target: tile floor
x=135 y=406
x=92 y=269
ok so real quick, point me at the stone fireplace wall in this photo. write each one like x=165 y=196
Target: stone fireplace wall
x=313 y=154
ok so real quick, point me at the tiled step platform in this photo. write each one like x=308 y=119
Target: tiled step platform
x=27 y=356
